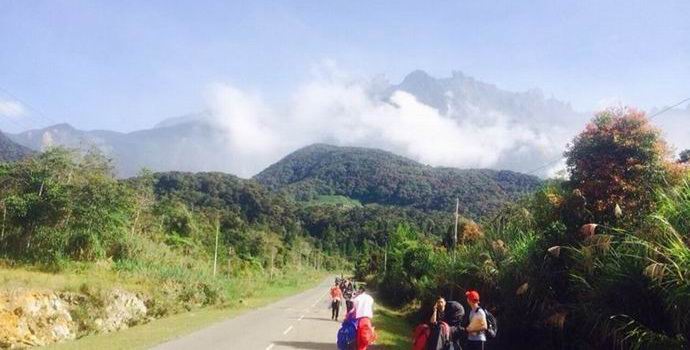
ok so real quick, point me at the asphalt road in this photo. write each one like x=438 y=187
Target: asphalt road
x=302 y=321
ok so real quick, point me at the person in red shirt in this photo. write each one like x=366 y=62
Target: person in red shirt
x=336 y=296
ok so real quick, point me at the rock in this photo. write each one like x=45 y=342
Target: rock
x=38 y=318
x=34 y=318
x=123 y=309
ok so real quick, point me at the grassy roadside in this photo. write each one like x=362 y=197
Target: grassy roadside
x=392 y=327
x=160 y=330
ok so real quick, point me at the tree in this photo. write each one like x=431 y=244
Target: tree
x=619 y=159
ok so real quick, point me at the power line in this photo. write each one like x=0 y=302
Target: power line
x=664 y=110
x=552 y=162
x=668 y=108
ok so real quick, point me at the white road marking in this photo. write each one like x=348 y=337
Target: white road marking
x=300 y=318
x=270 y=346
x=287 y=330
x=318 y=300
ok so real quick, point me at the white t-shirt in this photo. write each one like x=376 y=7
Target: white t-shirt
x=363 y=305
x=477 y=313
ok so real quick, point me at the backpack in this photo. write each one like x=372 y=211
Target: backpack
x=366 y=334
x=420 y=336
x=347 y=335
x=491 y=324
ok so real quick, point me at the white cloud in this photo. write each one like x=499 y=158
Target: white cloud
x=333 y=108
x=11 y=109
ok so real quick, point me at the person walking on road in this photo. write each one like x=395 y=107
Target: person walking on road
x=476 y=329
x=336 y=296
x=363 y=309
x=348 y=293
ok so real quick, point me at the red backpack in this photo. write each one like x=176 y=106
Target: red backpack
x=420 y=336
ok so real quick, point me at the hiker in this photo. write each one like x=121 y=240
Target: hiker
x=443 y=330
x=453 y=315
x=438 y=331
x=336 y=295
x=477 y=326
x=348 y=292
x=364 y=311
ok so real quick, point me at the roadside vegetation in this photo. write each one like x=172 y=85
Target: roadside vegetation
x=69 y=226
x=600 y=260
x=248 y=294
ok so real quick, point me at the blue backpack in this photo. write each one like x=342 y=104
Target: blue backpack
x=347 y=335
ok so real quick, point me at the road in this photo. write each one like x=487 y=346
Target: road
x=302 y=321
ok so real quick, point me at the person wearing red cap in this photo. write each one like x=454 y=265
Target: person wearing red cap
x=476 y=336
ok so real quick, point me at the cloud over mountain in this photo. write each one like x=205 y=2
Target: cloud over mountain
x=456 y=121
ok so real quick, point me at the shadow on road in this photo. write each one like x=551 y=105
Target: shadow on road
x=319 y=319
x=306 y=345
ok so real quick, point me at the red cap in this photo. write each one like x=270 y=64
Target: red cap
x=472 y=295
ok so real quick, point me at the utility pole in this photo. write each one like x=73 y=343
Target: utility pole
x=385 y=259
x=215 y=254
x=455 y=228
x=4 y=217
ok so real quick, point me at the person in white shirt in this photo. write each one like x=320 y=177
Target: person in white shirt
x=363 y=304
x=364 y=311
x=476 y=336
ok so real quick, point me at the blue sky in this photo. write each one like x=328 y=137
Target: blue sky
x=125 y=65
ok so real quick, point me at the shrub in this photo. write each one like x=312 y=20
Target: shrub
x=619 y=159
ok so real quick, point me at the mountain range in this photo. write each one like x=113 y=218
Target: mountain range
x=197 y=142
x=184 y=146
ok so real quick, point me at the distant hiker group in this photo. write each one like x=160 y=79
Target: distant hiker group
x=356 y=331
x=448 y=328
x=342 y=289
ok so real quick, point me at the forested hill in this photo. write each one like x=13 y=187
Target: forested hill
x=239 y=200
x=11 y=151
x=376 y=176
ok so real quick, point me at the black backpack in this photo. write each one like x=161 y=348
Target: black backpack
x=491 y=324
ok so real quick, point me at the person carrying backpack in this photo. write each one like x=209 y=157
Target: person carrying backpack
x=476 y=329
x=452 y=316
x=443 y=331
x=439 y=331
x=336 y=295
x=347 y=335
x=348 y=293
x=364 y=311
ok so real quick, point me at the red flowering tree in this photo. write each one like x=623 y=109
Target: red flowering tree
x=617 y=163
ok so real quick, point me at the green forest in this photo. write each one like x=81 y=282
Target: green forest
x=376 y=176
x=600 y=260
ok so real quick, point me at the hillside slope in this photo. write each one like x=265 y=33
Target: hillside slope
x=376 y=176
x=11 y=151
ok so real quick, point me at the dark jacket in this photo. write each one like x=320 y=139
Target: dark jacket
x=453 y=316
